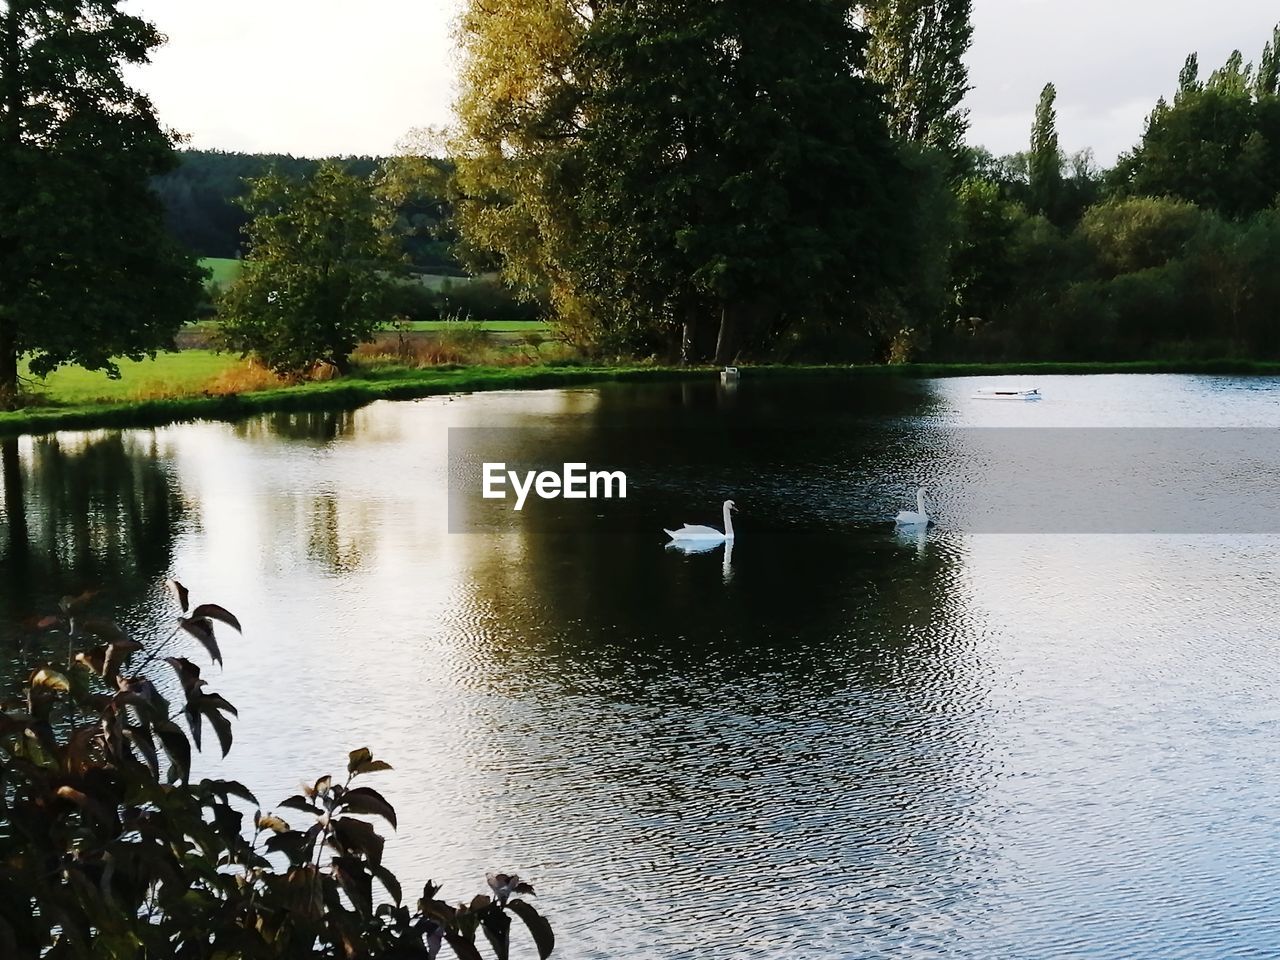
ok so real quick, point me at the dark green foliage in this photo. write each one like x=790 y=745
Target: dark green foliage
x=1132 y=235
x=753 y=192
x=1217 y=145
x=1137 y=278
x=482 y=298
x=916 y=53
x=202 y=195
x=87 y=271
x=109 y=850
x=317 y=281
x=982 y=257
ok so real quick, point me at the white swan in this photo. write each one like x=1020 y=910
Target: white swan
x=710 y=535
x=918 y=519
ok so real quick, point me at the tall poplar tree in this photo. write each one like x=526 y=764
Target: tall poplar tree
x=1267 y=79
x=1044 y=163
x=916 y=52
x=87 y=271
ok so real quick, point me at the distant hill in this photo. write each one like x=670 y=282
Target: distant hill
x=201 y=209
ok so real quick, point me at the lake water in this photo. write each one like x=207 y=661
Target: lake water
x=838 y=742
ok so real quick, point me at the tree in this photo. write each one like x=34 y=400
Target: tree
x=669 y=171
x=916 y=52
x=1267 y=79
x=1129 y=235
x=317 y=279
x=1045 y=159
x=1189 y=77
x=87 y=270
x=981 y=257
x=1217 y=145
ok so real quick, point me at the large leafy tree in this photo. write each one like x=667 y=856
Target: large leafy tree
x=720 y=171
x=916 y=52
x=317 y=280
x=87 y=270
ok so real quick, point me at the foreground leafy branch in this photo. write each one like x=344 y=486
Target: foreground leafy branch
x=109 y=850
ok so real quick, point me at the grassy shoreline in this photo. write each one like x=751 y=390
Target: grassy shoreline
x=402 y=383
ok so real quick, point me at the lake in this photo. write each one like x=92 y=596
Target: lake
x=1023 y=734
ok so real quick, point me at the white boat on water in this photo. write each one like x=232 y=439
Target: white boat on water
x=1008 y=393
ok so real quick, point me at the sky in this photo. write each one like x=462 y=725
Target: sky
x=329 y=77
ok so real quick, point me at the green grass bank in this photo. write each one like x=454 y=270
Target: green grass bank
x=66 y=404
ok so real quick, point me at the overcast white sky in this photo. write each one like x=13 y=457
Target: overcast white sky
x=321 y=77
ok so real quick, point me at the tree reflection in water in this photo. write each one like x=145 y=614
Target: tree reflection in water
x=85 y=511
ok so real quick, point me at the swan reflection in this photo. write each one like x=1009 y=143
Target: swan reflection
x=917 y=536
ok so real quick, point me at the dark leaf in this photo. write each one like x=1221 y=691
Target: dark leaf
x=357 y=757
x=95 y=659
x=543 y=936
x=497 y=930
x=140 y=737
x=463 y=948
x=298 y=802
x=193 y=715
x=89 y=805
x=177 y=747
x=356 y=883
x=221 y=726
x=117 y=653
x=211 y=611
x=218 y=702
x=83 y=745
x=354 y=836
x=293 y=844
x=229 y=788
x=138 y=691
x=202 y=630
x=228 y=820
x=180 y=593
x=367 y=801
x=188 y=672
x=388 y=881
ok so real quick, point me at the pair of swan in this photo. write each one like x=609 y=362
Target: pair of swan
x=710 y=536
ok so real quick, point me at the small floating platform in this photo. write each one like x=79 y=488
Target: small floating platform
x=1008 y=393
x=729 y=375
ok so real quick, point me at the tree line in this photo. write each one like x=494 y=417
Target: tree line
x=742 y=179
x=203 y=194
x=793 y=181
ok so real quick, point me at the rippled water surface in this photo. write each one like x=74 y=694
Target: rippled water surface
x=838 y=742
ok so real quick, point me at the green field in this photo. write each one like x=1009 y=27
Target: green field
x=223 y=270
x=168 y=374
